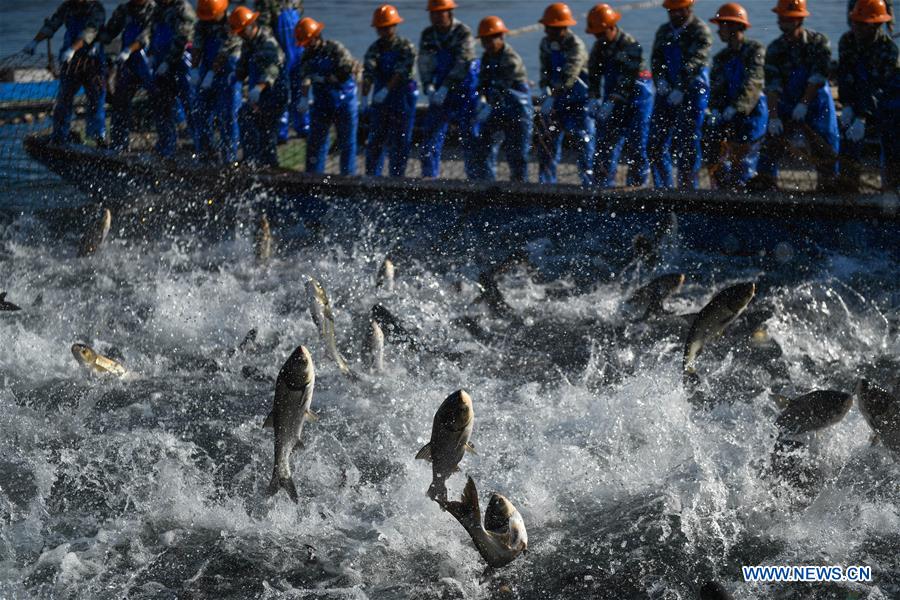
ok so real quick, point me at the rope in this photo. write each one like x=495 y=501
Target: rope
x=622 y=8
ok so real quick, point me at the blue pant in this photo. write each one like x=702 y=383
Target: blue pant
x=167 y=92
x=459 y=111
x=675 y=133
x=217 y=111
x=391 y=129
x=624 y=134
x=345 y=118
x=566 y=117
x=514 y=132
x=132 y=76
x=258 y=126
x=90 y=73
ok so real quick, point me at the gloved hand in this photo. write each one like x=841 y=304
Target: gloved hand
x=438 y=97
x=847 y=116
x=729 y=113
x=429 y=90
x=123 y=56
x=303 y=104
x=30 y=47
x=484 y=110
x=676 y=97
x=606 y=110
x=255 y=93
x=67 y=56
x=380 y=96
x=207 y=80
x=776 y=127
x=800 y=111
x=856 y=131
x=662 y=87
x=547 y=106
x=162 y=69
x=194 y=77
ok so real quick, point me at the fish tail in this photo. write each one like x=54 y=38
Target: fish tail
x=285 y=483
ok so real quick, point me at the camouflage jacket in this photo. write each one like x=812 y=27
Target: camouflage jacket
x=458 y=42
x=695 y=41
x=270 y=10
x=880 y=68
x=92 y=11
x=341 y=68
x=573 y=68
x=624 y=56
x=852 y=3
x=180 y=17
x=264 y=53
x=404 y=63
x=502 y=71
x=752 y=55
x=811 y=51
x=206 y=31
x=125 y=14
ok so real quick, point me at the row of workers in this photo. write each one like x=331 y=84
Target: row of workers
x=614 y=107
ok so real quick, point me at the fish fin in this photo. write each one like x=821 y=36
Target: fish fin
x=425 y=452
x=270 y=420
x=470 y=500
x=470 y=447
x=311 y=416
x=287 y=484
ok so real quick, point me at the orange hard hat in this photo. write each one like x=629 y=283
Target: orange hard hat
x=870 y=11
x=793 y=9
x=439 y=5
x=211 y=10
x=677 y=4
x=491 y=26
x=601 y=18
x=307 y=30
x=731 y=13
x=240 y=18
x=558 y=14
x=385 y=16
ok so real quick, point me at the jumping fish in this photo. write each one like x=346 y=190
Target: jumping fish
x=450 y=433
x=385 y=277
x=95 y=235
x=813 y=411
x=86 y=356
x=650 y=297
x=6 y=305
x=373 y=348
x=393 y=329
x=263 y=240
x=721 y=311
x=881 y=410
x=323 y=317
x=502 y=537
x=290 y=410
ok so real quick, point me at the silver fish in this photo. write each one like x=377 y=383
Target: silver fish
x=813 y=411
x=881 y=410
x=450 y=433
x=290 y=410
x=649 y=298
x=373 y=347
x=95 y=235
x=323 y=317
x=263 y=240
x=720 y=312
x=86 y=356
x=385 y=277
x=502 y=537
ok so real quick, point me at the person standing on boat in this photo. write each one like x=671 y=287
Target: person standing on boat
x=889 y=5
x=799 y=97
x=388 y=72
x=327 y=67
x=217 y=93
x=505 y=110
x=282 y=16
x=680 y=65
x=738 y=110
x=869 y=88
x=448 y=69
x=261 y=66
x=132 y=20
x=564 y=102
x=173 y=30
x=82 y=64
x=621 y=90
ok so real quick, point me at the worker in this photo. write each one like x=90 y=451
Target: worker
x=565 y=93
x=505 y=112
x=889 y=4
x=449 y=73
x=82 y=64
x=132 y=21
x=282 y=16
x=738 y=109
x=388 y=73
x=261 y=65
x=621 y=90
x=869 y=88
x=799 y=98
x=327 y=67
x=214 y=58
x=680 y=65
x=173 y=30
